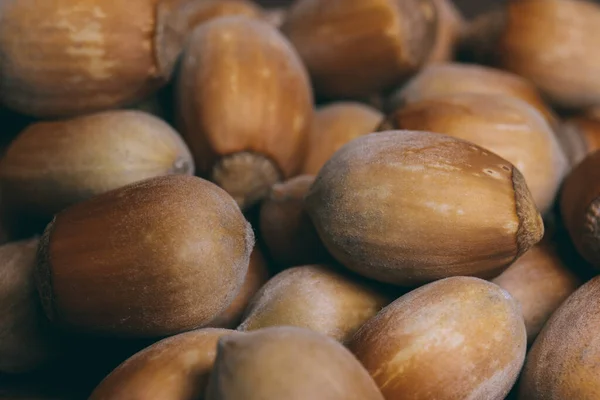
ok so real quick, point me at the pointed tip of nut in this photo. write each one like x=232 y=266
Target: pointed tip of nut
x=531 y=225
x=247 y=177
x=43 y=273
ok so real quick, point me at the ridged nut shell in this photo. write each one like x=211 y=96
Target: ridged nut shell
x=384 y=204
x=154 y=258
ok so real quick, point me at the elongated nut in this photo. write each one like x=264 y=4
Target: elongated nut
x=173 y=252
x=26 y=343
x=540 y=282
x=335 y=125
x=52 y=165
x=317 y=298
x=580 y=202
x=256 y=277
x=458 y=338
x=287 y=229
x=287 y=363
x=384 y=204
x=89 y=55
x=450 y=24
x=356 y=48
x=176 y=368
x=245 y=106
x=506 y=126
x=453 y=78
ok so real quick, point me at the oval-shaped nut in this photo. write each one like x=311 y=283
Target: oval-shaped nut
x=52 y=165
x=89 y=55
x=355 y=48
x=449 y=27
x=453 y=78
x=176 y=368
x=286 y=228
x=504 y=125
x=317 y=298
x=580 y=137
x=256 y=277
x=580 y=205
x=562 y=364
x=287 y=363
x=384 y=204
x=540 y=282
x=26 y=343
x=333 y=126
x=153 y=258
x=553 y=43
x=458 y=338
x=245 y=105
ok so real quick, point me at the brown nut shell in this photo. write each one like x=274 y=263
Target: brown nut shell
x=580 y=137
x=201 y=11
x=562 y=364
x=89 y=55
x=449 y=28
x=287 y=363
x=286 y=228
x=504 y=125
x=26 y=344
x=333 y=126
x=454 y=78
x=384 y=204
x=580 y=205
x=52 y=165
x=540 y=282
x=173 y=251
x=256 y=277
x=177 y=368
x=245 y=105
x=355 y=48
x=553 y=43
x=458 y=338
x=315 y=297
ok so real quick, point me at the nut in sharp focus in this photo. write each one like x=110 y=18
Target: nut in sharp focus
x=154 y=258
x=384 y=204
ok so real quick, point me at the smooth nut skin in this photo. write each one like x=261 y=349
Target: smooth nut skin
x=504 y=125
x=540 y=282
x=553 y=43
x=333 y=126
x=562 y=364
x=384 y=204
x=580 y=137
x=25 y=342
x=355 y=48
x=243 y=88
x=256 y=277
x=317 y=298
x=52 y=165
x=458 y=338
x=173 y=252
x=286 y=228
x=287 y=363
x=176 y=368
x=449 y=27
x=453 y=78
x=201 y=11
x=580 y=204
x=89 y=55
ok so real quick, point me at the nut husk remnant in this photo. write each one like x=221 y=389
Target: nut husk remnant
x=540 y=282
x=384 y=204
x=287 y=363
x=287 y=229
x=89 y=55
x=244 y=105
x=317 y=298
x=504 y=125
x=176 y=368
x=356 y=48
x=153 y=258
x=458 y=338
x=562 y=364
x=52 y=165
